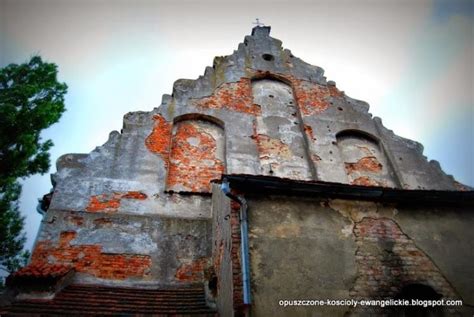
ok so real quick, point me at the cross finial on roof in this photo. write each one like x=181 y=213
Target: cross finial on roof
x=257 y=22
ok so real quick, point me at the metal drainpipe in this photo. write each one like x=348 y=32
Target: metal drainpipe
x=244 y=250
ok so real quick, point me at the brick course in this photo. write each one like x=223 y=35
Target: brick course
x=90 y=259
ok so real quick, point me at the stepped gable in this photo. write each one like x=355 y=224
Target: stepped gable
x=137 y=212
x=234 y=127
x=143 y=198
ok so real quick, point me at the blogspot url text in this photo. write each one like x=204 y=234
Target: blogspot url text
x=370 y=302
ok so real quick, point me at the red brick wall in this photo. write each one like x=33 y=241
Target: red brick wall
x=226 y=255
x=233 y=96
x=90 y=259
x=387 y=260
x=193 y=271
x=184 y=161
x=238 y=295
x=311 y=98
x=159 y=139
x=110 y=203
x=192 y=167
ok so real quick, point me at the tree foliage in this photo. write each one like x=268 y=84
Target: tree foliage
x=31 y=100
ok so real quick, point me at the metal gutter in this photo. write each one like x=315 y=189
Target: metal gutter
x=273 y=185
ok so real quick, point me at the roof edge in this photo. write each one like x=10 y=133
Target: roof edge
x=281 y=186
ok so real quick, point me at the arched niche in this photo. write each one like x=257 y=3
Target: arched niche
x=199 y=116
x=364 y=160
x=271 y=76
x=197 y=154
x=278 y=133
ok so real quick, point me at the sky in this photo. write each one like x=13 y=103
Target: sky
x=411 y=60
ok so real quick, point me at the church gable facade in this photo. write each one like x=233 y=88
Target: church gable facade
x=257 y=182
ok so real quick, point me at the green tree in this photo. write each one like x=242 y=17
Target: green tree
x=31 y=100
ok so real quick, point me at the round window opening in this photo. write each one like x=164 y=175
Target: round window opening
x=268 y=57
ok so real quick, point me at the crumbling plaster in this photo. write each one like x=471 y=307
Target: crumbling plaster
x=127 y=161
x=336 y=249
x=304 y=135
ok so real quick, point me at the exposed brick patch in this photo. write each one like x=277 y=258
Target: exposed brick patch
x=366 y=181
x=238 y=294
x=388 y=260
x=364 y=161
x=122 y=266
x=235 y=96
x=110 y=203
x=192 y=272
x=309 y=132
x=365 y=164
x=159 y=139
x=90 y=259
x=311 y=98
x=334 y=92
x=66 y=237
x=104 y=203
x=269 y=148
x=220 y=226
x=134 y=195
x=193 y=166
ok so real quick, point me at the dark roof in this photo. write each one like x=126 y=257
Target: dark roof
x=100 y=300
x=281 y=186
x=42 y=270
x=42 y=277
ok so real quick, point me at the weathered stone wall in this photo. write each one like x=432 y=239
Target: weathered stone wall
x=259 y=111
x=222 y=251
x=302 y=248
x=226 y=253
x=134 y=250
x=280 y=140
x=196 y=157
x=364 y=161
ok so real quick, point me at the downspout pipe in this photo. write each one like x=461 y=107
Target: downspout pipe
x=244 y=245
